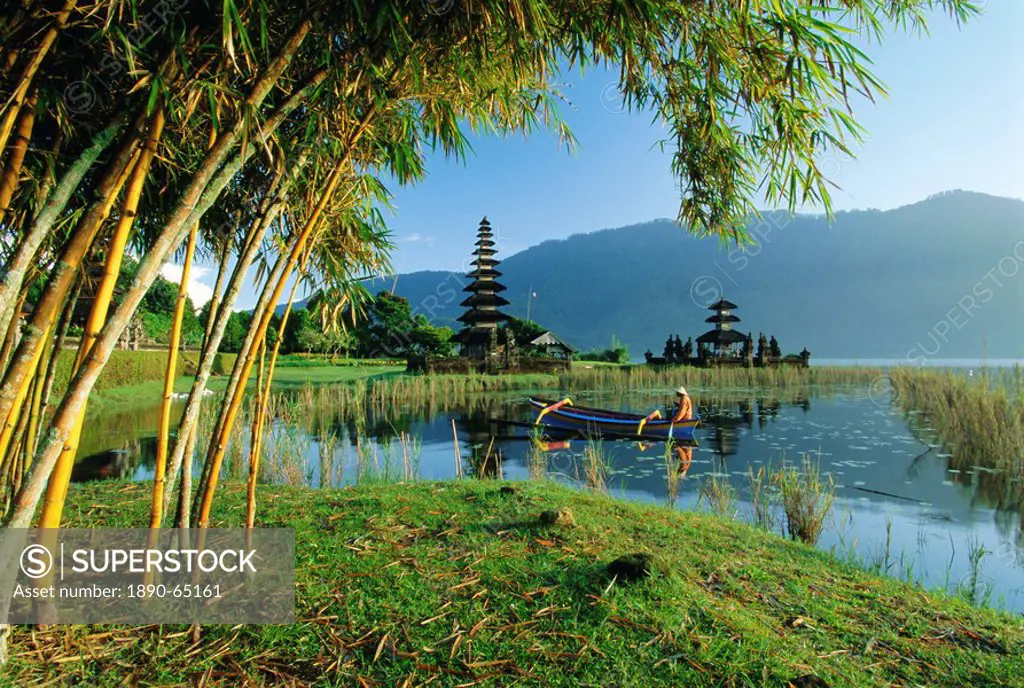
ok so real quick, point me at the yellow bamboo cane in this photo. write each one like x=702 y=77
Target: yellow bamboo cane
x=219 y=444
x=263 y=389
x=12 y=170
x=47 y=308
x=56 y=488
x=255 y=441
x=29 y=73
x=172 y=361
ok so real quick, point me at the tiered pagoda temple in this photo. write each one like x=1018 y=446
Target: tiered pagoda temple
x=482 y=318
x=722 y=338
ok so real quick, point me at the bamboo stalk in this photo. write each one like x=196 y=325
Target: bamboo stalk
x=255 y=442
x=28 y=74
x=56 y=491
x=12 y=169
x=26 y=356
x=12 y=329
x=165 y=409
x=236 y=378
x=58 y=346
x=218 y=285
x=36 y=404
x=20 y=262
x=261 y=407
x=207 y=184
x=187 y=428
x=217 y=449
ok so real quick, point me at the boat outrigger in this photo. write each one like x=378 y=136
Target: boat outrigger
x=563 y=415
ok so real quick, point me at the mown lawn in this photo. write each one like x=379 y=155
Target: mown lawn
x=285 y=378
x=458 y=584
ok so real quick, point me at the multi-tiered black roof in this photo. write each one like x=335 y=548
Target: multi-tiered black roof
x=482 y=314
x=723 y=334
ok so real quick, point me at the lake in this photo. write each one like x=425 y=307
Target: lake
x=903 y=505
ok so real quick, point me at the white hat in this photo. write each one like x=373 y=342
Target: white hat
x=681 y=391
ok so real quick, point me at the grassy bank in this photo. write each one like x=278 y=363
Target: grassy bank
x=459 y=584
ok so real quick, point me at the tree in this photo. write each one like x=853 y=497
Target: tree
x=237 y=325
x=386 y=329
x=428 y=340
x=524 y=331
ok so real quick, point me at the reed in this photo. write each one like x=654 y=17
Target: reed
x=672 y=471
x=643 y=377
x=806 y=500
x=537 y=460
x=762 y=500
x=720 y=495
x=595 y=466
x=439 y=393
x=972 y=589
x=978 y=419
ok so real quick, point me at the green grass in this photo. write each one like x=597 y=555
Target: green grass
x=294 y=377
x=458 y=584
x=109 y=400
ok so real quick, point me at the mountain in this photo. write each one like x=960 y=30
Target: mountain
x=942 y=278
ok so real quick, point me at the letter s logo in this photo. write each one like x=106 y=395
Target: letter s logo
x=36 y=561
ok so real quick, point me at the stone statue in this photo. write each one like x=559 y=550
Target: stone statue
x=688 y=349
x=677 y=350
x=667 y=353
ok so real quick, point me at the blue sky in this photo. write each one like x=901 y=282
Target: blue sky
x=952 y=120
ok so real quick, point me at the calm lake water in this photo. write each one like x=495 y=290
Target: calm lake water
x=897 y=490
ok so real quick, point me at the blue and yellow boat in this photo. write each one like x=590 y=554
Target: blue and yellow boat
x=563 y=415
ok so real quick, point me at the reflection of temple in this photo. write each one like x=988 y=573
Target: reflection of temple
x=724 y=421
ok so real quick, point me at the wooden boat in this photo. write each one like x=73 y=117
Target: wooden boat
x=563 y=415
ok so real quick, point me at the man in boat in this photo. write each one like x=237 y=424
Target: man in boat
x=684 y=407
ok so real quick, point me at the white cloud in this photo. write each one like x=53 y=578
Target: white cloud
x=416 y=237
x=199 y=293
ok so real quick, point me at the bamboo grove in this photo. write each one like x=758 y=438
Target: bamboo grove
x=263 y=136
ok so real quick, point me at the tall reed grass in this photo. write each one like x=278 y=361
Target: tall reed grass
x=806 y=500
x=978 y=419
x=979 y=416
x=719 y=493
